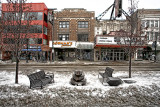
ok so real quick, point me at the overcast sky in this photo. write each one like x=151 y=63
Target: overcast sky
x=95 y=5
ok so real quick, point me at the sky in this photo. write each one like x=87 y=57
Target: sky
x=95 y=5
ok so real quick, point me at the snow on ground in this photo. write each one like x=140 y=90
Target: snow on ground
x=143 y=78
x=147 y=83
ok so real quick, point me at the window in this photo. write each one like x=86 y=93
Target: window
x=63 y=24
x=25 y=16
x=152 y=23
x=32 y=41
x=35 y=29
x=82 y=24
x=50 y=17
x=44 y=30
x=143 y=24
x=44 y=41
x=151 y=36
x=39 y=41
x=63 y=37
x=83 y=37
x=147 y=35
x=39 y=15
x=147 y=23
x=156 y=35
x=156 y=23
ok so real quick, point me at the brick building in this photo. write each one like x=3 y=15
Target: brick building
x=73 y=34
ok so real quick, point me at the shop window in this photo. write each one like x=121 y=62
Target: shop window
x=83 y=37
x=32 y=41
x=64 y=24
x=63 y=37
x=83 y=24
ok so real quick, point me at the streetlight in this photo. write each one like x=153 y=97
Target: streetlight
x=155 y=46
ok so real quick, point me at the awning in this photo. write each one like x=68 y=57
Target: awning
x=31 y=50
x=85 y=45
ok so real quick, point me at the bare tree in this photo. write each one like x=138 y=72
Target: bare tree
x=16 y=24
x=132 y=40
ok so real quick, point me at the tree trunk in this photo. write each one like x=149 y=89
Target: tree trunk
x=130 y=63
x=17 y=62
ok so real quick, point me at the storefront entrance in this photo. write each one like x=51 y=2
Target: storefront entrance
x=83 y=54
x=65 y=54
x=112 y=54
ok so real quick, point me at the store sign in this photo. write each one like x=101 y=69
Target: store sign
x=34 y=47
x=64 y=44
x=106 y=40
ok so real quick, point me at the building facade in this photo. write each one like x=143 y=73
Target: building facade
x=73 y=35
x=106 y=46
x=149 y=21
x=104 y=27
x=36 y=41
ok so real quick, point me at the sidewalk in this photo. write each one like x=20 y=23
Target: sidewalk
x=83 y=63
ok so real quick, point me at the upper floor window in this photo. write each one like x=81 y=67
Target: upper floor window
x=150 y=23
x=33 y=16
x=83 y=37
x=64 y=24
x=63 y=37
x=23 y=16
x=83 y=24
x=44 y=30
x=156 y=23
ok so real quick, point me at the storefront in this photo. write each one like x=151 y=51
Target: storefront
x=107 y=49
x=64 y=50
x=85 y=51
x=72 y=50
x=32 y=53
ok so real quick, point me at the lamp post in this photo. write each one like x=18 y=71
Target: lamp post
x=155 y=51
